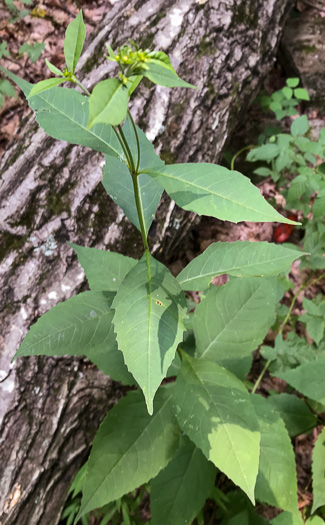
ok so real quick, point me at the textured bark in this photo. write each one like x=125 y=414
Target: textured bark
x=50 y=408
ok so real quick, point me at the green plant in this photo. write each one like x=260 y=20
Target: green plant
x=135 y=323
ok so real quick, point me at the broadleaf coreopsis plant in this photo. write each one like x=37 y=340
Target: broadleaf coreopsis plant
x=133 y=322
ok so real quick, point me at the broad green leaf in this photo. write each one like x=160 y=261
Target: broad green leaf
x=129 y=449
x=295 y=413
x=288 y=92
x=118 y=183
x=265 y=152
x=301 y=94
x=82 y=325
x=73 y=42
x=209 y=189
x=318 y=468
x=159 y=74
x=300 y=126
x=53 y=69
x=108 y=103
x=179 y=491
x=63 y=114
x=133 y=83
x=308 y=379
x=213 y=408
x=149 y=310
x=292 y=82
x=276 y=482
x=288 y=518
x=233 y=320
x=44 y=85
x=104 y=270
x=239 y=507
x=240 y=258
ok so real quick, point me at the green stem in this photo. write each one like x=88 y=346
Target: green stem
x=82 y=87
x=232 y=164
x=123 y=148
x=285 y=321
x=132 y=167
x=137 y=139
x=138 y=203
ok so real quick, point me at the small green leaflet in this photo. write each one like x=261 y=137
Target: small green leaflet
x=308 y=379
x=53 y=69
x=159 y=72
x=209 y=189
x=213 y=408
x=295 y=413
x=240 y=258
x=73 y=42
x=108 y=103
x=318 y=468
x=129 y=449
x=104 y=270
x=179 y=491
x=63 y=114
x=300 y=126
x=276 y=482
x=82 y=325
x=148 y=321
x=44 y=85
x=233 y=320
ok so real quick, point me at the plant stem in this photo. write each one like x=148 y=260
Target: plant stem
x=123 y=148
x=132 y=167
x=232 y=164
x=285 y=320
x=82 y=87
x=138 y=203
x=137 y=139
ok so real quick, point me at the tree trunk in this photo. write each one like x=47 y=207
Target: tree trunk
x=50 y=193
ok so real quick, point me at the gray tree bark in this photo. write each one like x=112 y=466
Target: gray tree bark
x=51 y=408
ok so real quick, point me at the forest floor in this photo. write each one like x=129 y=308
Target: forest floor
x=47 y=24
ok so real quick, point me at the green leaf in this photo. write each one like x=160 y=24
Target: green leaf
x=3 y=49
x=308 y=379
x=318 y=468
x=108 y=103
x=300 y=126
x=104 y=270
x=133 y=83
x=44 y=85
x=117 y=182
x=73 y=42
x=295 y=413
x=287 y=91
x=149 y=311
x=129 y=449
x=6 y=88
x=82 y=325
x=34 y=51
x=265 y=152
x=179 y=491
x=233 y=320
x=213 y=408
x=63 y=114
x=53 y=69
x=276 y=482
x=159 y=74
x=240 y=258
x=209 y=189
x=315 y=520
x=301 y=94
x=287 y=518
x=292 y=82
